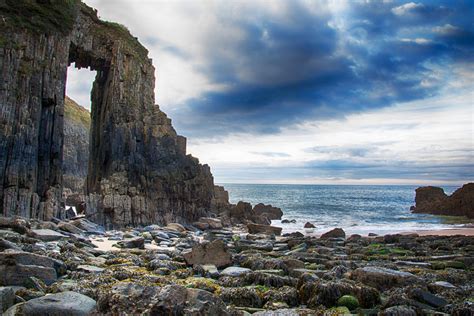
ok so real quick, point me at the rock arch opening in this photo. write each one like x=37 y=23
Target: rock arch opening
x=77 y=125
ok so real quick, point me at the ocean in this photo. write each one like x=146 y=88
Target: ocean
x=358 y=209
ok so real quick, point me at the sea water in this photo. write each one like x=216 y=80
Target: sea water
x=360 y=209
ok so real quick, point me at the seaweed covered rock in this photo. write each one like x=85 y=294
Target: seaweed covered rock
x=209 y=253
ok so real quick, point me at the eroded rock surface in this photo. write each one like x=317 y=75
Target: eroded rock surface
x=433 y=200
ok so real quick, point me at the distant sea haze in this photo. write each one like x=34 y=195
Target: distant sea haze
x=358 y=209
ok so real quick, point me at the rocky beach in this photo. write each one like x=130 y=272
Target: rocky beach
x=75 y=267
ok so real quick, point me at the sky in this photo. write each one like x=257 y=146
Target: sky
x=311 y=92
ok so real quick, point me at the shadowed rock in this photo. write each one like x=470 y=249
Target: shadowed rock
x=433 y=200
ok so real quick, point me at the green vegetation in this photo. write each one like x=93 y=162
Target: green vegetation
x=118 y=32
x=49 y=17
x=348 y=301
x=382 y=250
x=76 y=113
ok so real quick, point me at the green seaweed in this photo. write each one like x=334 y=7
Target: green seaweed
x=49 y=17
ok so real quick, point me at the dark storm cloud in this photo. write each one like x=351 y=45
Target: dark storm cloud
x=287 y=70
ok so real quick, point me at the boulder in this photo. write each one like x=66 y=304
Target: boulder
x=309 y=225
x=67 y=227
x=201 y=302
x=213 y=223
x=209 y=253
x=88 y=226
x=201 y=225
x=47 y=235
x=176 y=227
x=178 y=300
x=268 y=211
x=335 y=233
x=136 y=242
x=16 y=267
x=383 y=278
x=263 y=229
x=241 y=212
x=65 y=303
x=398 y=311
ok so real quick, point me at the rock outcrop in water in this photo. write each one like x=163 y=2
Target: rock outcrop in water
x=138 y=171
x=433 y=200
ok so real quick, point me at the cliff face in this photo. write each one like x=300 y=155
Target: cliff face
x=138 y=170
x=77 y=122
x=433 y=200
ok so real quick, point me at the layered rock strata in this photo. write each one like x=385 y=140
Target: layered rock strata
x=138 y=170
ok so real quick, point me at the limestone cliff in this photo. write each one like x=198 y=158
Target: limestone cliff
x=433 y=200
x=138 y=171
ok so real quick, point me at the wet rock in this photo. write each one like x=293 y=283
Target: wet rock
x=47 y=235
x=243 y=296
x=383 y=278
x=201 y=225
x=288 y=295
x=334 y=233
x=65 y=303
x=263 y=229
x=7 y=298
x=215 y=253
x=136 y=242
x=127 y=298
x=234 y=271
x=177 y=300
x=309 y=225
x=200 y=302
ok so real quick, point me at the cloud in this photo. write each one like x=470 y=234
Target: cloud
x=312 y=85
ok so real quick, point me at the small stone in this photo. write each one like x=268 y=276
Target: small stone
x=235 y=271
x=65 y=303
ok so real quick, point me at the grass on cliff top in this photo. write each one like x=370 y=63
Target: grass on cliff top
x=76 y=113
x=48 y=17
x=116 y=31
